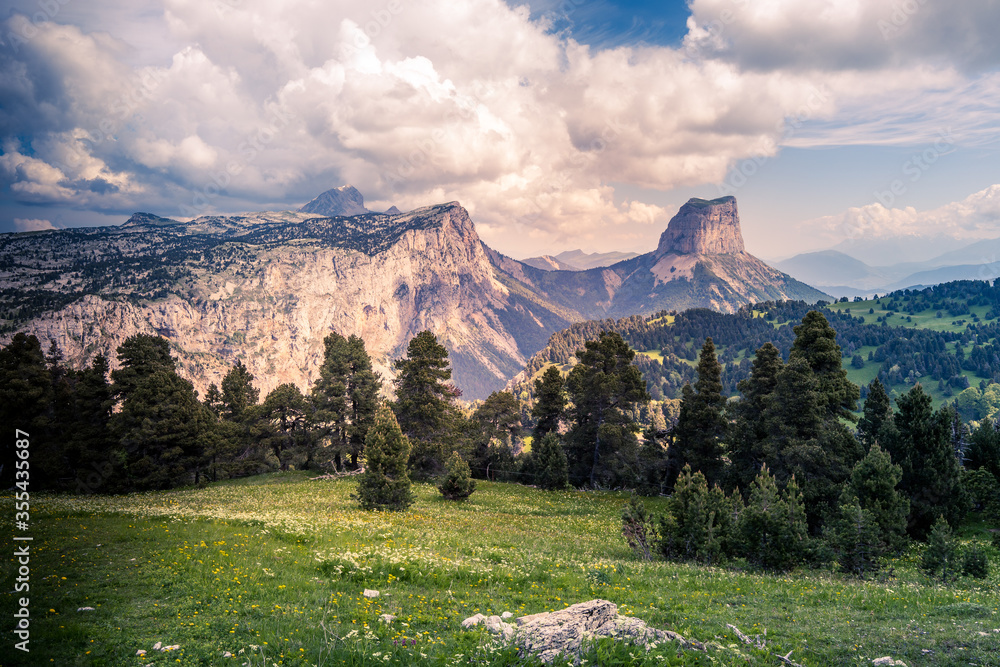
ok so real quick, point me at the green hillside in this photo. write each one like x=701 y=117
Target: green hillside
x=272 y=569
x=946 y=337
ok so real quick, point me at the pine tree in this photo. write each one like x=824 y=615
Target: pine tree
x=345 y=396
x=877 y=412
x=921 y=446
x=816 y=343
x=551 y=466
x=701 y=426
x=605 y=387
x=550 y=403
x=25 y=393
x=495 y=426
x=873 y=484
x=164 y=430
x=855 y=537
x=984 y=449
x=698 y=521
x=424 y=404
x=771 y=531
x=941 y=557
x=283 y=428
x=746 y=451
x=458 y=483
x=99 y=459
x=238 y=392
x=385 y=484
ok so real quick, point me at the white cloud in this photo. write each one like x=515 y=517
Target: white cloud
x=434 y=100
x=32 y=225
x=975 y=217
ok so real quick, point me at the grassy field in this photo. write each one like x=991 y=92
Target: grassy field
x=272 y=570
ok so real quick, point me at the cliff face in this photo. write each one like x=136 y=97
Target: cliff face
x=268 y=287
x=272 y=304
x=703 y=227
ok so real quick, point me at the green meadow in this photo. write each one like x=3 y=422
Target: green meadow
x=272 y=571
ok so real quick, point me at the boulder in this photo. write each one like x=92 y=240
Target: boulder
x=552 y=634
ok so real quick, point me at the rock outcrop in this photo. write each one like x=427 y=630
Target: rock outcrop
x=342 y=201
x=703 y=227
x=267 y=287
x=551 y=635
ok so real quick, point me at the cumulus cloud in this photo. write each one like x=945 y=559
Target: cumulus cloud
x=425 y=101
x=32 y=225
x=975 y=217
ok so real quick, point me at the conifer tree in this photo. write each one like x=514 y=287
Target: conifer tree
x=746 y=450
x=550 y=403
x=698 y=521
x=551 y=466
x=495 y=426
x=701 y=426
x=941 y=557
x=238 y=392
x=458 y=483
x=605 y=387
x=877 y=413
x=921 y=446
x=424 y=404
x=284 y=426
x=771 y=530
x=164 y=430
x=385 y=484
x=345 y=396
x=816 y=343
x=984 y=449
x=873 y=484
x=25 y=393
x=854 y=535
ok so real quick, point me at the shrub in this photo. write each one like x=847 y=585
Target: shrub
x=856 y=539
x=637 y=528
x=975 y=564
x=458 y=483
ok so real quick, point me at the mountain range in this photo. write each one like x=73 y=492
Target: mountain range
x=841 y=274
x=268 y=287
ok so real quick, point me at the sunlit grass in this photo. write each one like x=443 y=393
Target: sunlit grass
x=272 y=570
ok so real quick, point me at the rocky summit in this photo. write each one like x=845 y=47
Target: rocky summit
x=268 y=287
x=703 y=227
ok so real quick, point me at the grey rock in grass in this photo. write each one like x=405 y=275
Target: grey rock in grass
x=85 y=609
x=370 y=593
x=473 y=621
x=553 y=634
x=888 y=662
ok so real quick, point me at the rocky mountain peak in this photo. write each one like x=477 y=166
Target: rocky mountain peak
x=703 y=227
x=342 y=201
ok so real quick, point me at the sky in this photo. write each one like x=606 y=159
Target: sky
x=559 y=124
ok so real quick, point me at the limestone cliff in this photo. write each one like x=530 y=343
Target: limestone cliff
x=268 y=293
x=703 y=227
x=268 y=287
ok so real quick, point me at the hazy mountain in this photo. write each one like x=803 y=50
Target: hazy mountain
x=268 y=287
x=830 y=267
x=577 y=260
x=549 y=263
x=898 y=249
x=842 y=275
x=345 y=200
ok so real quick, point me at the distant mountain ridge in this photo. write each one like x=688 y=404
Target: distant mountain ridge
x=577 y=260
x=267 y=287
x=841 y=274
